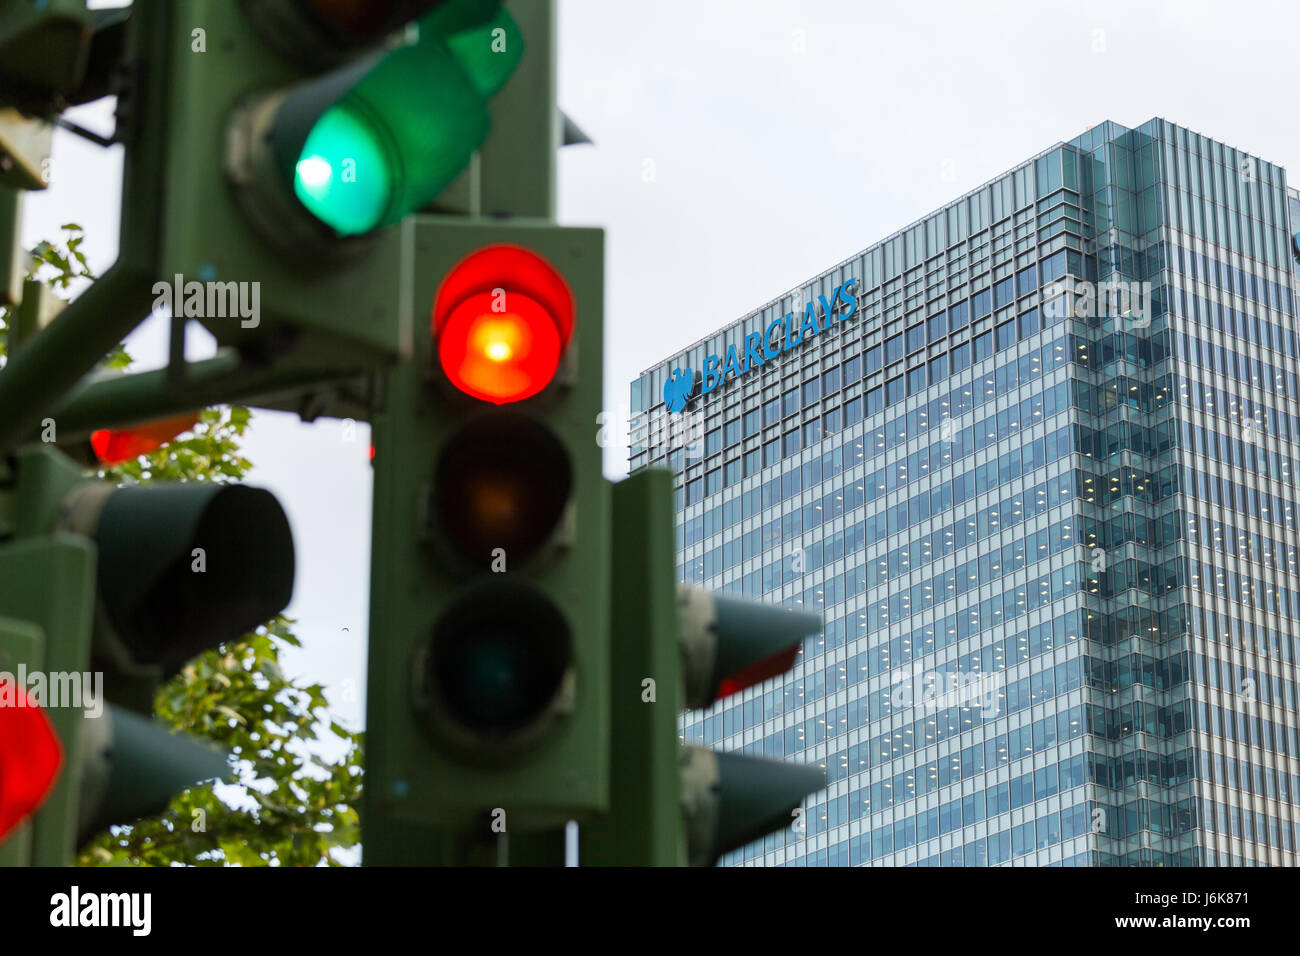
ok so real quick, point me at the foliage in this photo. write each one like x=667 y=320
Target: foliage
x=291 y=807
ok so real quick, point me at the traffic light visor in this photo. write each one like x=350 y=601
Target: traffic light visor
x=345 y=153
x=183 y=566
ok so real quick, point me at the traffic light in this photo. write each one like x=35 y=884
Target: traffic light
x=674 y=805
x=112 y=446
x=487 y=706
x=359 y=147
x=44 y=50
x=729 y=645
x=326 y=121
x=106 y=591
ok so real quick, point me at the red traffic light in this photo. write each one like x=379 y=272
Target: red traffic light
x=502 y=318
x=30 y=756
x=117 y=445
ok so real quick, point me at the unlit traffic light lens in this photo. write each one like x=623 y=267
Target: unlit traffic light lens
x=499 y=660
x=502 y=482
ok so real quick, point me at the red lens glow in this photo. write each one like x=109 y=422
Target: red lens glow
x=30 y=756
x=113 y=446
x=758 y=672
x=502 y=319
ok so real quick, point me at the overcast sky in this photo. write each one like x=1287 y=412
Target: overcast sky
x=743 y=146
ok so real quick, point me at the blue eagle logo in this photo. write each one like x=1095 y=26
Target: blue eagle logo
x=678 y=388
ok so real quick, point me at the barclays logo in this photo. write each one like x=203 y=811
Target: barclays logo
x=678 y=388
x=781 y=335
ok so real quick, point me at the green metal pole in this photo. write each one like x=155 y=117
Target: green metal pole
x=644 y=826
x=56 y=359
x=128 y=399
x=545 y=848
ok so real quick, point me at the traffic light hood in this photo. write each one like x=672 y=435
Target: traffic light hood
x=182 y=567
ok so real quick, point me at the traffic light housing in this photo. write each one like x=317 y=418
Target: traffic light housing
x=729 y=645
x=126 y=583
x=673 y=805
x=182 y=568
x=44 y=51
x=489 y=601
x=47 y=594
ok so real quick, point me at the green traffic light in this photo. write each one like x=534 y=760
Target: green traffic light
x=344 y=176
x=368 y=144
x=358 y=148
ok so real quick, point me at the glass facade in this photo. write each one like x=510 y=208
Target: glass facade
x=1041 y=487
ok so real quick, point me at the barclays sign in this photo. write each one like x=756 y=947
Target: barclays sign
x=782 y=335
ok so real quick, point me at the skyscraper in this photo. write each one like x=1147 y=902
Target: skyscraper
x=1034 y=459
